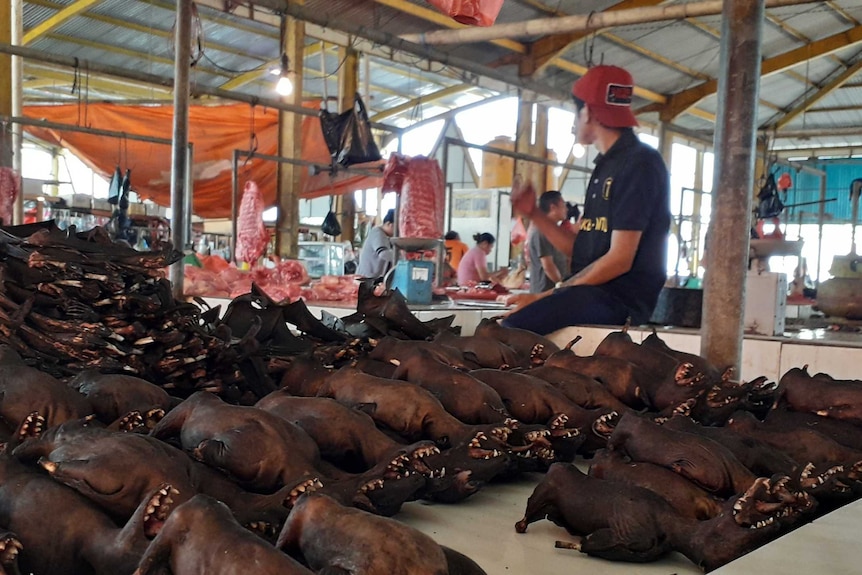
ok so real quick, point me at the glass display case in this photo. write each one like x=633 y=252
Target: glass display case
x=322 y=258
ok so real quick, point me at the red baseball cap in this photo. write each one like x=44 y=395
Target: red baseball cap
x=608 y=91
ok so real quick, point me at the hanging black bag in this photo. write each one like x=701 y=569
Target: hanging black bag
x=114 y=187
x=769 y=205
x=330 y=225
x=348 y=135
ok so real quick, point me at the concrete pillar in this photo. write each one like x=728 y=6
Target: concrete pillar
x=290 y=144
x=738 y=87
x=348 y=87
x=179 y=149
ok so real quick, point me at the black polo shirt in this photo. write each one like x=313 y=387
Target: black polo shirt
x=628 y=190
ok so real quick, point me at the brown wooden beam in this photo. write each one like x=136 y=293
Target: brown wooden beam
x=682 y=101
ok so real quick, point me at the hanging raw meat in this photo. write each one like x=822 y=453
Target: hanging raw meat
x=10 y=186
x=394 y=173
x=251 y=237
x=423 y=200
x=470 y=12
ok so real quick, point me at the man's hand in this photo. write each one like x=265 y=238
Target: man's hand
x=523 y=197
x=522 y=300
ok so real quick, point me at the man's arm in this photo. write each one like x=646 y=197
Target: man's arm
x=550 y=269
x=617 y=261
x=560 y=237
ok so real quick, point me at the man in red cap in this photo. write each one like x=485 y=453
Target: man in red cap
x=619 y=251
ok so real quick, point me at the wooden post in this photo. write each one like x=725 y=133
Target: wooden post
x=18 y=105
x=540 y=149
x=739 y=82
x=524 y=140
x=5 y=84
x=290 y=144
x=348 y=87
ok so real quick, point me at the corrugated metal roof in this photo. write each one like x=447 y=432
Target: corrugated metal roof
x=665 y=57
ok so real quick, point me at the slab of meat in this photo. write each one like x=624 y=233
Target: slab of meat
x=422 y=200
x=252 y=236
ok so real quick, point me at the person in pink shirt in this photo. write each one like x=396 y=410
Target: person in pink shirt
x=474 y=265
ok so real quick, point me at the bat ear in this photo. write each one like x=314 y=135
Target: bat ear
x=367 y=408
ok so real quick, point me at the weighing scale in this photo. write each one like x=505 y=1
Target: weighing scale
x=413 y=273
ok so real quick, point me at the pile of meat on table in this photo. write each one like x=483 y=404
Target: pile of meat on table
x=374 y=410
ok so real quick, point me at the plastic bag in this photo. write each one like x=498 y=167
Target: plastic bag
x=330 y=225
x=470 y=12
x=348 y=135
x=769 y=204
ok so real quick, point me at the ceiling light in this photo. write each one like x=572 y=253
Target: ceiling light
x=578 y=151
x=285 y=85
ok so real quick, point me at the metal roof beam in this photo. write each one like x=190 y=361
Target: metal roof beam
x=682 y=101
x=810 y=101
x=57 y=19
x=437 y=18
x=427 y=99
x=544 y=51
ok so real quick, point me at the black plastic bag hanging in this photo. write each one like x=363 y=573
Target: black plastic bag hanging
x=348 y=135
x=331 y=226
x=114 y=187
x=769 y=204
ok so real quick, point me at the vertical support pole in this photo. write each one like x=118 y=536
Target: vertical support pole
x=179 y=150
x=540 y=149
x=348 y=87
x=524 y=138
x=697 y=208
x=234 y=205
x=735 y=149
x=17 y=7
x=821 y=218
x=290 y=144
x=188 y=198
x=665 y=144
x=6 y=87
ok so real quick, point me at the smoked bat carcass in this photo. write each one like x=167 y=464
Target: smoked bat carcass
x=620 y=377
x=824 y=396
x=117 y=470
x=348 y=439
x=467 y=398
x=666 y=381
x=201 y=536
x=62 y=533
x=334 y=539
x=684 y=496
x=24 y=390
x=525 y=343
x=114 y=395
x=623 y=522
x=707 y=463
x=477 y=452
x=483 y=351
x=261 y=451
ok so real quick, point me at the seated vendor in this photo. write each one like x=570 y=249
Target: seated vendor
x=619 y=251
x=473 y=267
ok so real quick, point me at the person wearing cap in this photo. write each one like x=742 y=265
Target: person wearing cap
x=377 y=255
x=619 y=250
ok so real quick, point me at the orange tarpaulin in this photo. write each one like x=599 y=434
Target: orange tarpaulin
x=215 y=131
